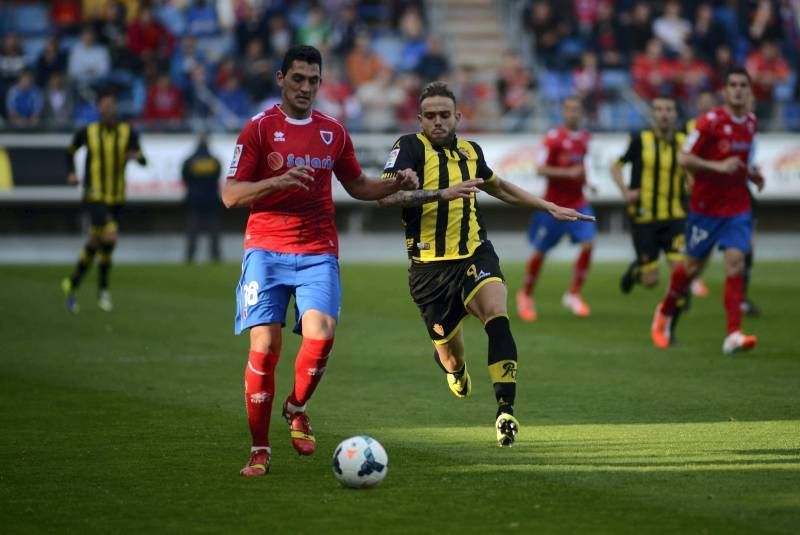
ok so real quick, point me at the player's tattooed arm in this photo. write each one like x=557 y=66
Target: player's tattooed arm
x=418 y=197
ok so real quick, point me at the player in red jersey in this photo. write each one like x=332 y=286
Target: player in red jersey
x=281 y=168
x=717 y=153
x=561 y=161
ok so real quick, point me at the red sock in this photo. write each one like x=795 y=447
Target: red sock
x=678 y=285
x=581 y=269
x=259 y=390
x=308 y=369
x=532 y=272
x=734 y=295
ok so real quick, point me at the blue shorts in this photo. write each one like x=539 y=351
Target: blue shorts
x=545 y=231
x=704 y=231
x=270 y=279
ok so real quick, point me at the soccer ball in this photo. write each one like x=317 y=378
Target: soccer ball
x=360 y=462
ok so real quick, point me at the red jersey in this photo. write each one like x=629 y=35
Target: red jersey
x=293 y=220
x=718 y=136
x=565 y=148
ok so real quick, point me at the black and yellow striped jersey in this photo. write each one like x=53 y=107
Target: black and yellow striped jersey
x=441 y=230
x=655 y=172
x=108 y=149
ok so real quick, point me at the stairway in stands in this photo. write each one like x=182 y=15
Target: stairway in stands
x=471 y=33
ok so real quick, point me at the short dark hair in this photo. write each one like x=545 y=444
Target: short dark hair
x=105 y=92
x=737 y=70
x=437 y=89
x=305 y=53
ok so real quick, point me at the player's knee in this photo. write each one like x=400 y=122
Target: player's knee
x=318 y=325
x=262 y=339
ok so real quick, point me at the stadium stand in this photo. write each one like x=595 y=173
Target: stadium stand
x=510 y=60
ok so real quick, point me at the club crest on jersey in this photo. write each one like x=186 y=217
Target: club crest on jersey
x=327 y=136
x=279 y=137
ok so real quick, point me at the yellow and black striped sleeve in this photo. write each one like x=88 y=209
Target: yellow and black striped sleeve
x=633 y=156
x=407 y=152
x=135 y=148
x=78 y=141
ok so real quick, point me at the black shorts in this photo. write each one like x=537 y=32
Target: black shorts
x=443 y=289
x=103 y=217
x=649 y=239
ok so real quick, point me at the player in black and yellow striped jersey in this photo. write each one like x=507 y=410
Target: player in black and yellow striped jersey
x=655 y=194
x=109 y=143
x=454 y=270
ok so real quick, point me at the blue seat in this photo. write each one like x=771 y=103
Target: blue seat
x=31 y=19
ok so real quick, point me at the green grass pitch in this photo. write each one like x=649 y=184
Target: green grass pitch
x=134 y=421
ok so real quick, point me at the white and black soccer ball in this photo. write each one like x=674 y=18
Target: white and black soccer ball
x=360 y=462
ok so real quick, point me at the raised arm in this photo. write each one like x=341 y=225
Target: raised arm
x=516 y=196
x=78 y=140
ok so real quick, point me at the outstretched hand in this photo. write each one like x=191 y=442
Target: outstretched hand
x=568 y=214
x=462 y=190
x=407 y=179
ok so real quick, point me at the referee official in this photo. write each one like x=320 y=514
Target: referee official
x=655 y=194
x=110 y=143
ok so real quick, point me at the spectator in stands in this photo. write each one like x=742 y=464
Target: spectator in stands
x=198 y=94
x=281 y=36
x=380 y=99
x=362 y=64
x=707 y=34
x=148 y=38
x=250 y=25
x=89 y=61
x=51 y=60
x=315 y=30
x=111 y=30
x=345 y=28
x=201 y=18
x=65 y=15
x=671 y=28
x=336 y=98
x=514 y=85
x=723 y=62
x=691 y=76
x=412 y=34
x=24 y=102
x=763 y=22
x=226 y=69
x=258 y=71
x=234 y=98
x=59 y=103
x=651 y=72
x=164 y=104
x=475 y=99
x=186 y=56
x=606 y=38
x=767 y=69
x=434 y=64
x=408 y=110
x=547 y=30
x=588 y=85
x=639 y=28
